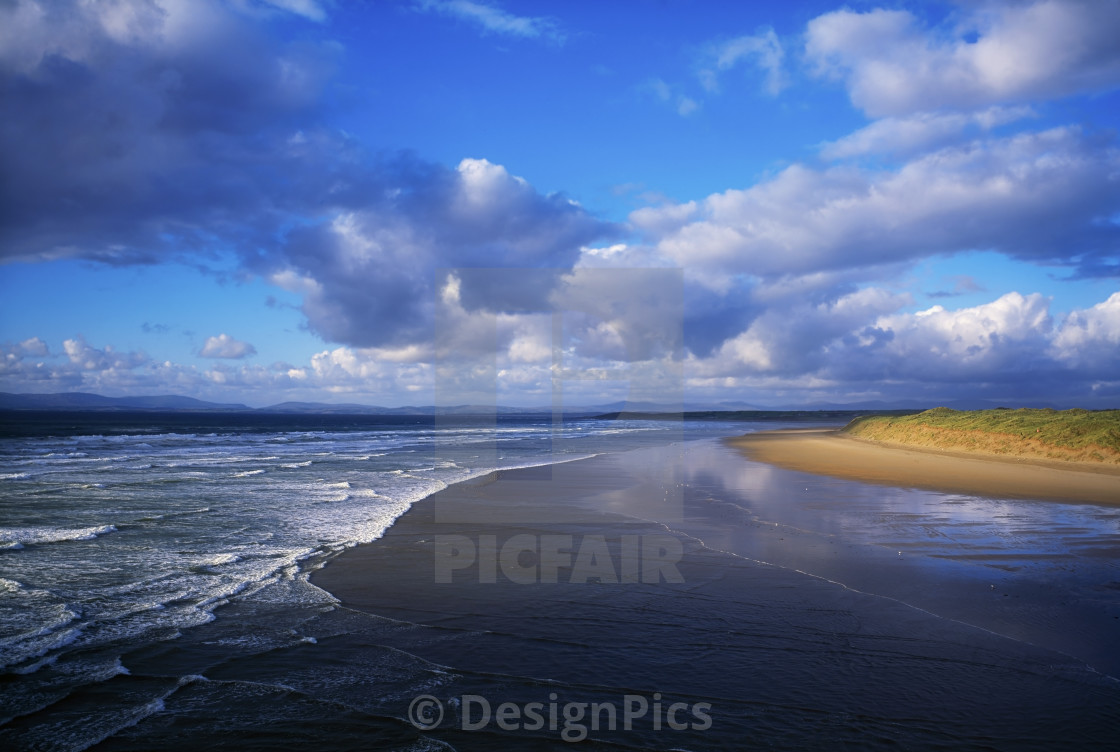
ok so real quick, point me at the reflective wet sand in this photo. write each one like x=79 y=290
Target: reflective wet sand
x=811 y=610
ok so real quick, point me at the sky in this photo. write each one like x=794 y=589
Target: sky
x=415 y=202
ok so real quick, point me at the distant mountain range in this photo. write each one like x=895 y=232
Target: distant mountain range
x=83 y=401
x=86 y=401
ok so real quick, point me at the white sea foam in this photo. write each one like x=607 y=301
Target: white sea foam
x=223 y=537
x=17 y=538
x=218 y=560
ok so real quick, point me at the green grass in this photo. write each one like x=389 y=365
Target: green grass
x=1073 y=435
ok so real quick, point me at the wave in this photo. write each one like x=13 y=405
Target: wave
x=179 y=513
x=218 y=560
x=248 y=473
x=36 y=621
x=17 y=538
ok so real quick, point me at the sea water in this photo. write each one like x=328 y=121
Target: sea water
x=123 y=532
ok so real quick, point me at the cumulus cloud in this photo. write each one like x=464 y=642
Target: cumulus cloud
x=225 y=346
x=914 y=133
x=860 y=343
x=892 y=66
x=1035 y=196
x=624 y=315
x=158 y=128
x=493 y=19
x=368 y=274
x=88 y=358
x=354 y=373
x=1001 y=340
x=32 y=346
x=1089 y=340
x=593 y=325
x=796 y=339
x=865 y=345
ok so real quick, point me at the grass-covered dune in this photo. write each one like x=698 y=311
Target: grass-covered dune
x=1064 y=435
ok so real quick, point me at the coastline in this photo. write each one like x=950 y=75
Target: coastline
x=766 y=643
x=832 y=453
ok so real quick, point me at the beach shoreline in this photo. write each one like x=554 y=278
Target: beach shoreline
x=767 y=615
x=831 y=452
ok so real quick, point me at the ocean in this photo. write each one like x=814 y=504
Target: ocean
x=123 y=532
x=156 y=593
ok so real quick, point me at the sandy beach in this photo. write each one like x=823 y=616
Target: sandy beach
x=788 y=637
x=830 y=452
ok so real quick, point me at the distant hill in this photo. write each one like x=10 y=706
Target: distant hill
x=82 y=401
x=343 y=409
x=86 y=401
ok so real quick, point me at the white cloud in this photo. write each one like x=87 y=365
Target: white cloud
x=622 y=314
x=32 y=346
x=862 y=345
x=367 y=274
x=669 y=95
x=493 y=19
x=1000 y=339
x=763 y=49
x=1090 y=339
x=1023 y=51
x=309 y=9
x=856 y=344
x=87 y=358
x=362 y=374
x=1037 y=196
x=225 y=346
x=485 y=186
x=913 y=133
x=794 y=336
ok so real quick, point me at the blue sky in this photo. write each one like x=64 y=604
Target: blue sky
x=267 y=200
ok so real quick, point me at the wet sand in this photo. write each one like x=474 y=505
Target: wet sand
x=830 y=452
x=818 y=649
